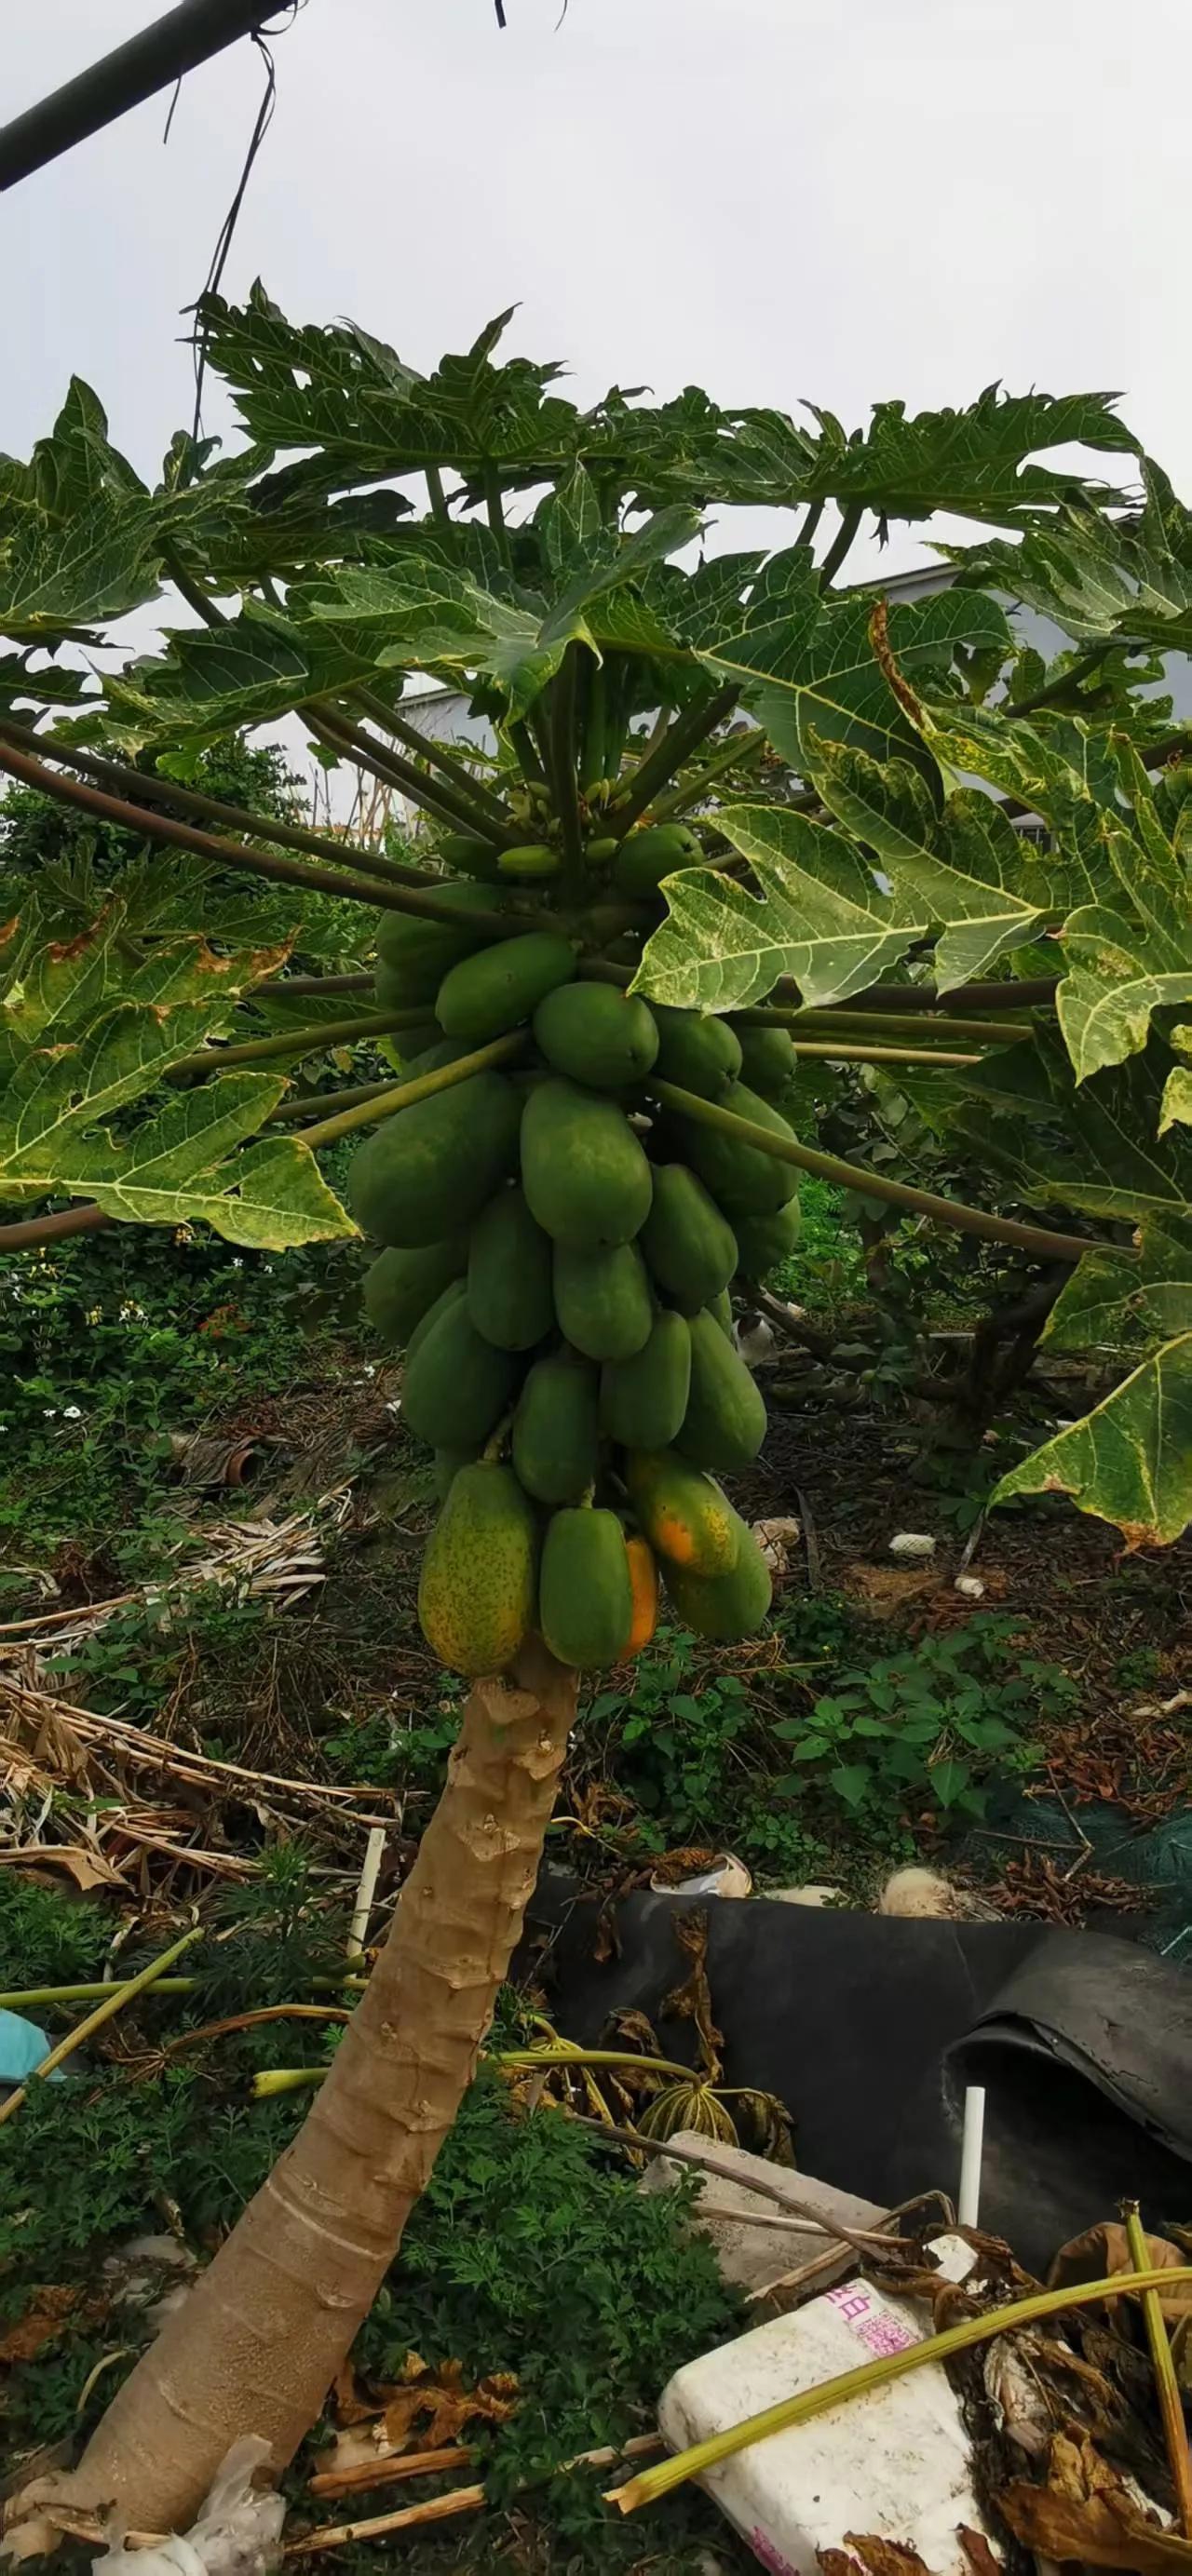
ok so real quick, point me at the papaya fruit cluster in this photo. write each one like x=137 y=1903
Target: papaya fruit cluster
x=557 y=1253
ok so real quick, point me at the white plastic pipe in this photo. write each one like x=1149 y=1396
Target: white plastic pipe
x=972 y=2145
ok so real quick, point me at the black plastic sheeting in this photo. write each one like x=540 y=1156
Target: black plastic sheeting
x=868 y=2029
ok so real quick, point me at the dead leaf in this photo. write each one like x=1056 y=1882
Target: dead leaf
x=51 y=2304
x=885 y=2557
x=1084 y=2512
x=1104 y=2250
x=426 y=2410
x=977 y=2551
x=692 y=1999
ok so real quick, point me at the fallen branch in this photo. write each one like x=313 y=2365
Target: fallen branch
x=104 y=2012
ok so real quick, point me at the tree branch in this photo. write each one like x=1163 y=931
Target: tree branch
x=850 y=521
x=733 y=754
x=874 y=1185
x=152 y=790
x=446 y=762
x=160 y=827
x=36 y=1230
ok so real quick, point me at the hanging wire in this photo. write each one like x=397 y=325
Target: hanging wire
x=224 y=238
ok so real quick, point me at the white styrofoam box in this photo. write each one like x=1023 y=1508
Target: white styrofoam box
x=896 y=2462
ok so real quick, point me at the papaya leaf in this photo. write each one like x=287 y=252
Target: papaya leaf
x=808 y=665
x=1096 y=1150
x=572 y=526
x=1127 y=1298
x=979 y=884
x=1096 y=577
x=1129 y=957
x=1130 y=1460
x=973 y=462
x=820 y=917
x=1176 y=1108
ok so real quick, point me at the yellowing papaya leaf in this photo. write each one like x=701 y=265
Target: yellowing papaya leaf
x=1129 y=957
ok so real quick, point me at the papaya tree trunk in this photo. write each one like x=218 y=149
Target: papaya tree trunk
x=257 y=2344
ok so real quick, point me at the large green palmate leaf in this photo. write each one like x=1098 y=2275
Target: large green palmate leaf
x=973 y=463
x=1096 y=1150
x=91 y=1029
x=1127 y=1298
x=1176 y=1109
x=1103 y=579
x=979 y=884
x=1130 y=1460
x=808 y=667
x=1129 y=957
x=820 y=917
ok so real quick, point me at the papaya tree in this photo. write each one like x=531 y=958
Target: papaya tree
x=727 y=816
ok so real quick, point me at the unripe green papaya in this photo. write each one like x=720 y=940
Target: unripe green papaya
x=600 y=851
x=487 y=994
x=725 y=1422
x=701 y=1053
x=768 y=1058
x=725 y=1607
x=456 y=1385
x=556 y=1444
x=584 y=1172
x=414 y=1048
x=743 y=1179
x=400 y=1287
x=471 y=856
x=414 y=954
x=646 y=857
x=643 y=1399
x=585 y=1596
x=530 y=860
x=764 y=1241
x=476 y=1595
x=430 y=1168
x=690 y=1247
x=452 y=1295
x=596 y=1034
x=602 y=1299
x=510 y=1296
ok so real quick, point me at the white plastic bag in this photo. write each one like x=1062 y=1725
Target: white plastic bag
x=238 y=2532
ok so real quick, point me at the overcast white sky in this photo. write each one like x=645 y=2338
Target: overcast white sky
x=841 y=199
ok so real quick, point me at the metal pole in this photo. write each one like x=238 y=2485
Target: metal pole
x=147 y=63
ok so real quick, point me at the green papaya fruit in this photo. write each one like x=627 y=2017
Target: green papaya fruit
x=584 y=1171
x=456 y=1385
x=430 y=1168
x=721 y=1310
x=690 y=1247
x=476 y=1596
x=414 y=954
x=725 y=1422
x=530 y=860
x=601 y=850
x=409 y=1045
x=602 y=1299
x=764 y=1241
x=400 y=1287
x=699 y=1052
x=724 y=1607
x=452 y=1295
x=499 y=987
x=743 y=1179
x=643 y=1399
x=556 y=1441
x=585 y=1596
x=768 y=1058
x=596 y=1034
x=510 y=1296
x=684 y=1514
x=471 y=856
x=646 y=857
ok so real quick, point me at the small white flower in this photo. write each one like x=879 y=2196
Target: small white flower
x=72 y=1413
x=49 y=1412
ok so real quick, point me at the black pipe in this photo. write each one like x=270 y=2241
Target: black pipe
x=147 y=63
